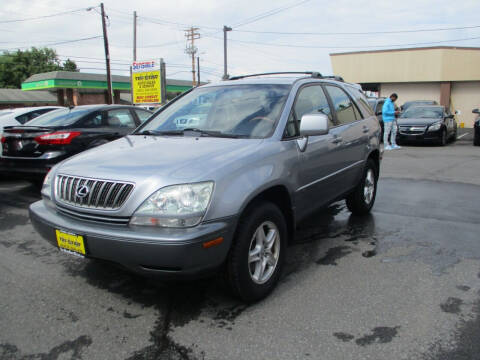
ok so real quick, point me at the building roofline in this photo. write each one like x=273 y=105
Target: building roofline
x=407 y=49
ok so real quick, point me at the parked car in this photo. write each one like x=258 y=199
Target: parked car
x=408 y=104
x=377 y=105
x=428 y=123
x=180 y=202
x=19 y=116
x=476 y=128
x=30 y=150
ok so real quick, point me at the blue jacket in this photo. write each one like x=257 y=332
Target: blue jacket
x=388 y=111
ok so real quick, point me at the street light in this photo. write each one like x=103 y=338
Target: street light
x=225 y=29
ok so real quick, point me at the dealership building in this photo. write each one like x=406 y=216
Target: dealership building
x=449 y=75
x=76 y=88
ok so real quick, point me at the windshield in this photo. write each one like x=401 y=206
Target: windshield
x=238 y=110
x=423 y=112
x=60 y=117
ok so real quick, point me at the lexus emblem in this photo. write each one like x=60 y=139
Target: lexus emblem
x=82 y=191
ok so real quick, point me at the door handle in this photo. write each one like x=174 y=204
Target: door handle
x=365 y=129
x=337 y=140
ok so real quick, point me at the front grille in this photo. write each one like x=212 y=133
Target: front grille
x=111 y=220
x=98 y=194
x=412 y=129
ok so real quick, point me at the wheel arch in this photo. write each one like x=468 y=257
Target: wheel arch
x=281 y=197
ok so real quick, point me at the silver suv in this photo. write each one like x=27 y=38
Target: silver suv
x=181 y=201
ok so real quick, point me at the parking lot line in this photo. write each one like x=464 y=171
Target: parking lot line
x=461 y=136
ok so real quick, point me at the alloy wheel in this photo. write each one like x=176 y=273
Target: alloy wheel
x=264 y=252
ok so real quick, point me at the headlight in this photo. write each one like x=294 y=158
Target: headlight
x=435 y=126
x=47 y=185
x=175 y=206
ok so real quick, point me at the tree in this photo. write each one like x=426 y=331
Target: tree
x=16 y=67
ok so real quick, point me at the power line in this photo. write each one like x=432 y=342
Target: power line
x=269 y=13
x=47 y=16
x=59 y=43
x=359 y=33
x=348 y=47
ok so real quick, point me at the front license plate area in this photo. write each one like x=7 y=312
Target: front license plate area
x=71 y=243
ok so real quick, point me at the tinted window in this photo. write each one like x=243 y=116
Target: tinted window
x=310 y=100
x=143 y=115
x=379 y=107
x=342 y=104
x=120 y=118
x=22 y=119
x=94 y=120
x=60 y=117
x=243 y=110
x=423 y=112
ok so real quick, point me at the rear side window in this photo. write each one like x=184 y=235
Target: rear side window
x=120 y=118
x=362 y=102
x=342 y=104
x=379 y=107
x=94 y=120
x=142 y=114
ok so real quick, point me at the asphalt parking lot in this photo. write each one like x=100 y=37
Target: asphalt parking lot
x=402 y=283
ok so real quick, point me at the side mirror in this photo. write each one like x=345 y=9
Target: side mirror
x=314 y=124
x=450 y=116
x=378 y=113
x=476 y=111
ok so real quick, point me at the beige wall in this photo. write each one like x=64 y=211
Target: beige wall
x=411 y=91
x=409 y=65
x=465 y=97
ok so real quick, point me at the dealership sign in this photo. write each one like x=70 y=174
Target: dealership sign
x=146 y=82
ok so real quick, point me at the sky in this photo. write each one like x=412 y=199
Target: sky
x=266 y=36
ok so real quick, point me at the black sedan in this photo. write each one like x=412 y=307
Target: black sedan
x=476 y=128
x=408 y=104
x=30 y=150
x=429 y=123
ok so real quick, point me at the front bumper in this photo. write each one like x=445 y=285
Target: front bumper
x=164 y=252
x=427 y=136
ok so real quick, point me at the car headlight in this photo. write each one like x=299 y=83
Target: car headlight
x=47 y=185
x=435 y=126
x=175 y=206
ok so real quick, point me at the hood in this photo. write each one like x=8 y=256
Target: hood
x=417 y=121
x=160 y=159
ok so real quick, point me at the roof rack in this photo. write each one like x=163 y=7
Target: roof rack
x=314 y=74
x=334 y=77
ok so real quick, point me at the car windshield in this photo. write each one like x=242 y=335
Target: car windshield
x=235 y=110
x=423 y=112
x=60 y=117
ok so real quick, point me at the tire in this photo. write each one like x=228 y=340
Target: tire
x=443 y=138
x=244 y=275
x=476 y=140
x=361 y=200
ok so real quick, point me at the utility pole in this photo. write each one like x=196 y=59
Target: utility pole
x=192 y=34
x=198 y=71
x=107 y=57
x=225 y=30
x=134 y=36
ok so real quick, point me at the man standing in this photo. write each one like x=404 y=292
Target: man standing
x=389 y=123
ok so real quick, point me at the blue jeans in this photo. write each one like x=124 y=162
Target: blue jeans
x=387 y=127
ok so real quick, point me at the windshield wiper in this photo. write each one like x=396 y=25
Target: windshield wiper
x=147 y=132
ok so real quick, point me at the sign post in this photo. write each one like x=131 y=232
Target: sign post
x=147 y=82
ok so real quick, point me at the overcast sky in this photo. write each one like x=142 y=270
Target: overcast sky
x=161 y=25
